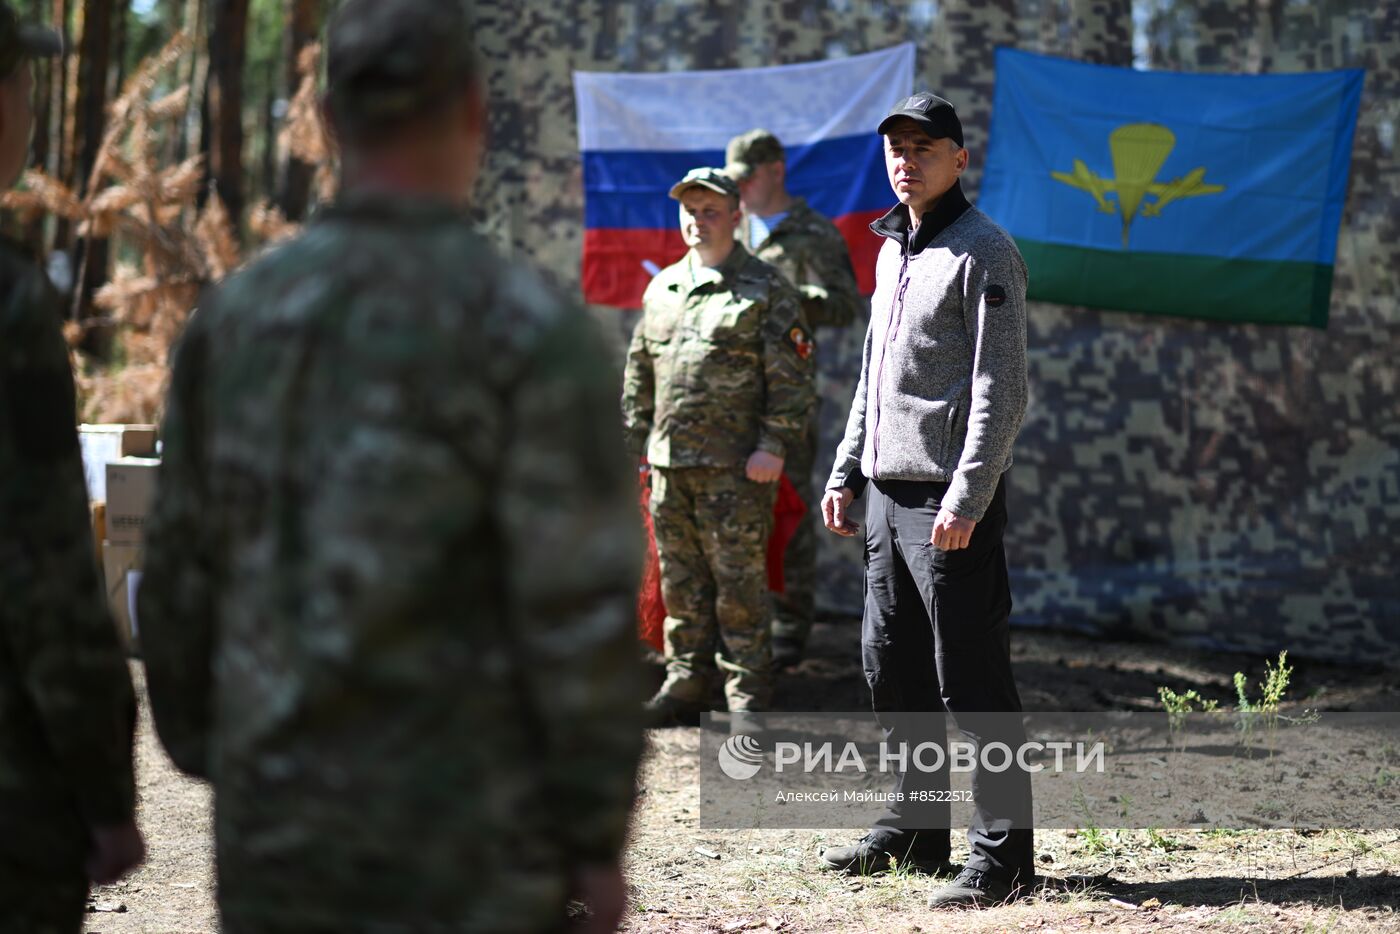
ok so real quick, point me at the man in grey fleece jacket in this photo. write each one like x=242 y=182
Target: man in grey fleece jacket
x=941 y=396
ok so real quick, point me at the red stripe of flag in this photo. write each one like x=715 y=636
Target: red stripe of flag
x=614 y=274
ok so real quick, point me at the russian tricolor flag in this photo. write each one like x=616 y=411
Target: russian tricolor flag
x=640 y=133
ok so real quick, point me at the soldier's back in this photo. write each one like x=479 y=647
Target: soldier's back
x=378 y=744
x=37 y=819
x=66 y=707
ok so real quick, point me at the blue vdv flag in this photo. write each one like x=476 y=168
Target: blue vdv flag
x=1210 y=196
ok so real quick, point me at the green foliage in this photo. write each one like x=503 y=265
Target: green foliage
x=1095 y=840
x=1265 y=710
x=1157 y=841
x=1179 y=705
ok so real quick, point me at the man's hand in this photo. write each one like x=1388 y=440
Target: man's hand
x=764 y=467
x=834 y=506
x=604 y=891
x=951 y=531
x=116 y=850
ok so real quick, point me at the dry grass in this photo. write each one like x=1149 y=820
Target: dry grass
x=768 y=880
x=152 y=210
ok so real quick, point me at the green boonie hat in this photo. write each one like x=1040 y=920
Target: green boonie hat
x=748 y=151
x=713 y=179
x=19 y=41
x=390 y=59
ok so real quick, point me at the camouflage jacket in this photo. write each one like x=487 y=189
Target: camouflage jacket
x=388 y=598
x=720 y=365
x=66 y=706
x=810 y=251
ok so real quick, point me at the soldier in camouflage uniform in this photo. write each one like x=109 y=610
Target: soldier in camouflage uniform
x=717 y=393
x=388 y=601
x=808 y=249
x=67 y=713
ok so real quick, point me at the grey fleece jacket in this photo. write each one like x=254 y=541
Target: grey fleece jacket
x=943 y=384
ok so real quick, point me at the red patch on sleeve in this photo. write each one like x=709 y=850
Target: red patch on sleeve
x=801 y=342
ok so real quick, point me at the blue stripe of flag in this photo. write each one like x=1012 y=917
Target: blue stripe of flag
x=631 y=189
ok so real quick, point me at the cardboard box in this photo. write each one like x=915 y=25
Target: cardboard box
x=121 y=566
x=104 y=443
x=131 y=486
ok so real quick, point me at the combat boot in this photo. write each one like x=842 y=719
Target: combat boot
x=667 y=710
x=869 y=856
x=974 y=888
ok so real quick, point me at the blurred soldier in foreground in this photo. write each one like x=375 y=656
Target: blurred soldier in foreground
x=808 y=249
x=717 y=392
x=388 y=602
x=67 y=796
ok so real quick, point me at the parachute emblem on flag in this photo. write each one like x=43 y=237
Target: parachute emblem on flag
x=1138 y=151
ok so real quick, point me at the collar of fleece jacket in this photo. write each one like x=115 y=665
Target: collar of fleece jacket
x=895 y=223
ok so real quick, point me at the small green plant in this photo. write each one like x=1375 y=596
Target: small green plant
x=1265 y=710
x=1095 y=840
x=1179 y=705
x=1157 y=841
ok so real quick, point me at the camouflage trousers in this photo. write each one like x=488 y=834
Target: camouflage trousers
x=34 y=902
x=712 y=528
x=795 y=607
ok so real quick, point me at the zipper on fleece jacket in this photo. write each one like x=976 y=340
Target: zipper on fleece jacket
x=891 y=332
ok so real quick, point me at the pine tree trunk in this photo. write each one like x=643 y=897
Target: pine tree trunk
x=58 y=157
x=267 y=177
x=304 y=21
x=198 y=82
x=94 y=63
x=43 y=128
x=228 y=34
x=120 y=26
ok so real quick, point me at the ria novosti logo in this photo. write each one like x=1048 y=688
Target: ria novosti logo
x=740 y=757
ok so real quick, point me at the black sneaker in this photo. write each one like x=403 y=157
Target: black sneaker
x=973 y=888
x=869 y=856
x=665 y=710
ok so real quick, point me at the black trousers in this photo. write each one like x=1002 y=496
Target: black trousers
x=935 y=639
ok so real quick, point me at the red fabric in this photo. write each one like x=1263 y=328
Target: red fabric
x=613 y=274
x=787 y=516
x=863 y=244
x=651 y=608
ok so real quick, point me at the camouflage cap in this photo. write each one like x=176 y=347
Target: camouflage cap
x=748 y=151
x=713 y=179
x=391 y=59
x=19 y=41
x=933 y=114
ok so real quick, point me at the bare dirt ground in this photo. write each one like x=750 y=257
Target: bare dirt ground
x=685 y=879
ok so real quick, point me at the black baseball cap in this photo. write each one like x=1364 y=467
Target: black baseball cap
x=933 y=114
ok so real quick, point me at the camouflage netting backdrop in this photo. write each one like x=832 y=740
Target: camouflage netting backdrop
x=1226 y=486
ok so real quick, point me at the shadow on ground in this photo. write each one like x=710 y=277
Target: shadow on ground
x=1057 y=671
x=1370 y=891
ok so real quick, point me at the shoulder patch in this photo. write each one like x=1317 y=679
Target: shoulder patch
x=802 y=343
x=995 y=296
